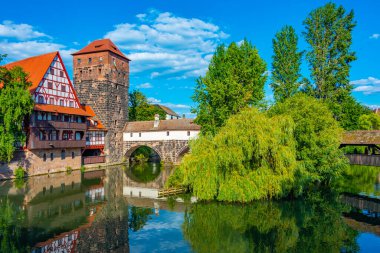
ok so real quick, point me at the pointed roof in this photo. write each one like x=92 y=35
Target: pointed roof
x=88 y=109
x=167 y=110
x=35 y=67
x=101 y=46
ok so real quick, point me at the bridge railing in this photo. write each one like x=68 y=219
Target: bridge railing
x=360 y=159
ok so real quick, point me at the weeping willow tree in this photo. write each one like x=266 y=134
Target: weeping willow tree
x=252 y=157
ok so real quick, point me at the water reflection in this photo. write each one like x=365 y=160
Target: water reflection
x=314 y=225
x=144 y=172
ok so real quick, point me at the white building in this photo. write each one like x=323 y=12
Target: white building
x=161 y=130
x=170 y=114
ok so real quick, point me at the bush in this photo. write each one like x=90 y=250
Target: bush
x=19 y=173
x=82 y=169
x=69 y=170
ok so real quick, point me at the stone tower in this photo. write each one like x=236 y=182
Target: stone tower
x=101 y=79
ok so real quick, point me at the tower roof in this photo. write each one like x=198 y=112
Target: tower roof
x=35 y=67
x=101 y=46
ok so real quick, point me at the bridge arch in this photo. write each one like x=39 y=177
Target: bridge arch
x=181 y=153
x=134 y=147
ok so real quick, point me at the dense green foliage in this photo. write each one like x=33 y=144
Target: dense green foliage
x=329 y=35
x=288 y=151
x=286 y=64
x=138 y=217
x=369 y=122
x=235 y=79
x=16 y=104
x=313 y=225
x=318 y=137
x=251 y=157
x=140 y=109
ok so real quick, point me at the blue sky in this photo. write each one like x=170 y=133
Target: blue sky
x=170 y=42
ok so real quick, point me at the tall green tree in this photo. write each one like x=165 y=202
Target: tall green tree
x=140 y=109
x=329 y=35
x=235 y=79
x=369 y=122
x=16 y=104
x=286 y=64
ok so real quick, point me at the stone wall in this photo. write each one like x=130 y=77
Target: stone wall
x=35 y=164
x=104 y=86
x=169 y=151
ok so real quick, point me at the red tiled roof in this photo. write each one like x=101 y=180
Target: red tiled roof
x=60 y=109
x=164 y=125
x=93 y=117
x=35 y=67
x=101 y=46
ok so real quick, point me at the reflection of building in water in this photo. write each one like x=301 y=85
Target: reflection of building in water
x=75 y=213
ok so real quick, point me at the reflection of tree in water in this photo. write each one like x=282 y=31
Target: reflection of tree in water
x=359 y=179
x=314 y=225
x=12 y=233
x=139 y=217
x=144 y=172
x=109 y=230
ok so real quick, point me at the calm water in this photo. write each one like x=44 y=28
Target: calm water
x=89 y=213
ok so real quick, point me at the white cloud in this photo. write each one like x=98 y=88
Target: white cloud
x=375 y=36
x=144 y=86
x=19 y=31
x=153 y=100
x=176 y=106
x=25 y=49
x=367 y=85
x=168 y=45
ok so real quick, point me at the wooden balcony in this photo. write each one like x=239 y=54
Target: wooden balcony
x=93 y=159
x=59 y=125
x=37 y=144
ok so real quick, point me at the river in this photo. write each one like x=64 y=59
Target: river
x=93 y=212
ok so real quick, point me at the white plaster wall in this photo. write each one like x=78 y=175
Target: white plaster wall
x=160 y=136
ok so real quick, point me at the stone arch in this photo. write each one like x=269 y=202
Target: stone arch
x=184 y=150
x=133 y=148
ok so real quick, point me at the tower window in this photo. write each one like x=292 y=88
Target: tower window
x=100 y=71
x=115 y=122
x=100 y=58
x=89 y=60
x=78 y=60
x=114 y=61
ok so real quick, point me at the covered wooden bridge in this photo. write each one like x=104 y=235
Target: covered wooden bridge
x=366 y=147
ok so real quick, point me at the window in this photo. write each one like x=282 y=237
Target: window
x=71 y=104
x=40 y=99
x=139 y=134
x=67 y=135
x=89 y=60
x=72 y=155
x=79 y=60
x=100 y=58
x=44 y=157
x=63 y=154
x=63 y=88
x=115 y=122
x=61 y=73
x=50 y=85
x=167 y=133
x=78 y=136
x=100 y=71
x=51 y=101
x=188 y=133
x=131 y=134
x=42 y=136
x=51 y=156
x=53 y=135
x=61 y=103
x=51 y=71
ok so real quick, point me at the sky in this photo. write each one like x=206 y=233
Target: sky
x=171 y=42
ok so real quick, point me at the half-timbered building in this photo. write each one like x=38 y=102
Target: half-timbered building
x=57 y=129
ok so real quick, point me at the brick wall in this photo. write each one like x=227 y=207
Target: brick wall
x=104 y=85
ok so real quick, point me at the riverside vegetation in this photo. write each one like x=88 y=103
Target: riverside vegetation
x=250 y=150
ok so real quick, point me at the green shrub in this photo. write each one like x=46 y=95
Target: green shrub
x=82 y=169
x=19 y=173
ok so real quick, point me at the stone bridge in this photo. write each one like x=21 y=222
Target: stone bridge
x=170 y=151
x=168 y=138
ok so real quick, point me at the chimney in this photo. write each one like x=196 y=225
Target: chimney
x=156 y=120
